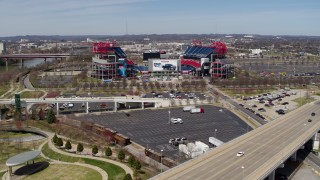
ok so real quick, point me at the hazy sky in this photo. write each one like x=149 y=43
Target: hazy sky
x=109 y=17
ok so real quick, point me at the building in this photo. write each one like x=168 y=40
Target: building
x=110 y=62
x=2 y=48
x=201 y=58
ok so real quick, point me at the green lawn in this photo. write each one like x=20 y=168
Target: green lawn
x=303 y=100
x=14 y=134
x=113 y=171
x=10 y=149
x=31 y=94
x=4 y=89
x=1 y=174
x=236 y=92
x=62 y=171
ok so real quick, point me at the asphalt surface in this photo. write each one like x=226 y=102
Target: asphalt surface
x=151 y=128
x=265 y=149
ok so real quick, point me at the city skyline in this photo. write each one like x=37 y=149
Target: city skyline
x=111 y=17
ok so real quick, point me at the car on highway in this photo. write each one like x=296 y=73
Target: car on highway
x=261 y=110
x=285 y=103
x=313 y=114
x=241 y=153
x=176 y=120
x=309 y=120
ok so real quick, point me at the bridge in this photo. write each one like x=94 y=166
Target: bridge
x=265 y=149
x=157 y=102
x=31 y=56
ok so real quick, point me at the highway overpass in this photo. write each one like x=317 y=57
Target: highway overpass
x=130 y=99
x=265 y=148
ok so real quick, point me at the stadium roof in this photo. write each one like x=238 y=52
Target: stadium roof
x=198 y=52
x=22 y=158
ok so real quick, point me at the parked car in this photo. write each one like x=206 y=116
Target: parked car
x=261 y=110
x=285 y=103
x=176 y=120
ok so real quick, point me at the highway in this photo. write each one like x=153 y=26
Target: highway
x=265 y=149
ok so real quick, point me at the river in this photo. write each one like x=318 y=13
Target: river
x=28 y=63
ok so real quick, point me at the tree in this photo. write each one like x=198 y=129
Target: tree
x=131 y=160
x=121 y=155
x=41 y=114
x=51 y=118
x=68 y=145
x=108 y=151
x=55 y=139
x=80 y=148
x=34 y=115
x=94 y=150
x=137 y=165
x=59 y=142
x=127 y=177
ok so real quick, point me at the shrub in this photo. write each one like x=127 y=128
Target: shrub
x=94 y=150
x=68 y=145
x=59 y=142
x=55 y=139
x=108 y=151
x=127 y=177
x=121 y=155
x=80 y=147
x=131 y=161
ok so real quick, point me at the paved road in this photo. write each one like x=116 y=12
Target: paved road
x=237 y=106
x=26 y=82
x=264 y=147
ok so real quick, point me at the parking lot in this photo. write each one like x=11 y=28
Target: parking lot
x=151 y=128
x=285 y=103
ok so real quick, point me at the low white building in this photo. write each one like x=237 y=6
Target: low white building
x=2 y=48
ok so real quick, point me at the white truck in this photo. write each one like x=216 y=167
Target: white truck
x=196 y=110
x=188 y=108
x=215 y=142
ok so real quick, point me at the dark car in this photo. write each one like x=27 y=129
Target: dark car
x=280 y=111
x=313 y=114
x=285 y=103
x=309 y=120
x=169 y=67
x=261 y=110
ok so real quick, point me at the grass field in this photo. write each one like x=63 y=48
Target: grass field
x=113 y=171
x=31 y=94
x=14 y=134
x=10 y=149
x=61 y=171
x=4 y=89
x=303 y=100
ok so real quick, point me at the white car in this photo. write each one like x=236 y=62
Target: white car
x=241 y=153
x=176 y=120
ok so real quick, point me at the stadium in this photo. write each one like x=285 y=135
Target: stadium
x=111 y=62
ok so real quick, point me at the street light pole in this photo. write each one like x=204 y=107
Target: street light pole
x=169 y=116
x=161 y=160
x=215 y=133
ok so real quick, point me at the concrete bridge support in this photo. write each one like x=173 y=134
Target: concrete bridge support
x=272 y=175
x=87 y=107
x=57 y=104
x=294 y=156
x=115 y=106
x=142 y=105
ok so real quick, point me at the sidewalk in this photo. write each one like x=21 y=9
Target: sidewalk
x=127 y=169
x=101 y=171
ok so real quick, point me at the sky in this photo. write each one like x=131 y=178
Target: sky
x=119 y=17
